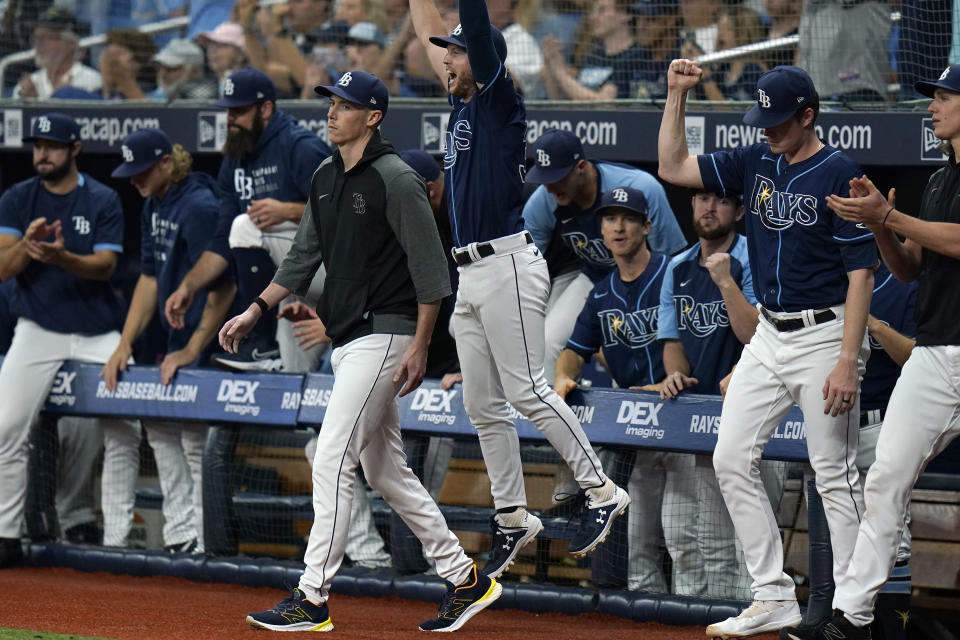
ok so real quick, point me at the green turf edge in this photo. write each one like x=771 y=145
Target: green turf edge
x=27 y=634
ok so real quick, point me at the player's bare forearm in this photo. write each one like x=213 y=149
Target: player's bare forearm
x=207 y=269
x=676 y=164
x=898 y=346
x=426 y=319
x=675 y=358
x=143 y=304
x=428 y=22
x=215 y=311
x=13 y=256
x=94 y=266
x=283 y=50
x=856 y=310
x=569 y=366
x=742 y=315
x=413 y=365
x=902 y=258
x=942 y=237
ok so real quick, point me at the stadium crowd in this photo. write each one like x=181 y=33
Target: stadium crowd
x=663 y=312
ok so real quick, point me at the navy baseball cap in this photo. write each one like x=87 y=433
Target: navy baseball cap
x=623 y=198
x=359 y=87
x=780 y=93
x=949 y=80
x=246 y=86
x=56 y=127
x=554 y=155
x=421 y=162
x=141 y=150
x=456 y=37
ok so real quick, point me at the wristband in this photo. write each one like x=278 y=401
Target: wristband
x=884 y=223
x=260 y=302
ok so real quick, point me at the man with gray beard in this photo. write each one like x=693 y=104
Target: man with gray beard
x=57 y=57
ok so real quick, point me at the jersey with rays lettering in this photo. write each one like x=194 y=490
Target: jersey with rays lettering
x=620 y=318
x=893 y=303
x=800 y=251
x=484 y=162
x=692 y=311
x=579 y=229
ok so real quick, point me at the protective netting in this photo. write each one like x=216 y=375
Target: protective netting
x=855 y=50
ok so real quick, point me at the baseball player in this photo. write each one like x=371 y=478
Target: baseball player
x=619 y=320
x=560 y=217
x=504 y=284
x=707 y=314
x=922 y=416
x=263 y=179
x=60 y=233
x=890 y=325
x=368 y=215
x=177 y=222
x=813 y=277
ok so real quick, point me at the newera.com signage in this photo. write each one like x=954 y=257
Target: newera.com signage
x=627 y=134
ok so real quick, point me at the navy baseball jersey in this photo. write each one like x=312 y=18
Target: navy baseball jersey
x=893 y=303
x=92 y=221
x=484 y=173
x=692 y=310
x=800 y=252
x=579 y=229
x=280 y=167
x=620 y=318
x=174 y=231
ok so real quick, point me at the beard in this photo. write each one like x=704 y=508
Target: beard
x=242 y=142
x=711 y=234
x=55 y=174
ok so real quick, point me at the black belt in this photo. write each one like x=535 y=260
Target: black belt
x=484 y=250
x=872 y=416
x=794 y=324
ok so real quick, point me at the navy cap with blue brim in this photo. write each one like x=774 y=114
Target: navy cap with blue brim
x=949 y=80
x=781 y=92
x=456 y=38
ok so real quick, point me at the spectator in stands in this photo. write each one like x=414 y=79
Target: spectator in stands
x=328 y=59
x=419 y=79
x=562 y=19
x=700 y=24
x=707 y=313
x=57 y=58
x=561 y=217
x=619 y=321
x=524 y=58
x=226 y=50
x=177 y=223
x=367 y=51
x=126 y=65
x=180 y=73
x=784 y=16
x=737 y=79
x=658 y=33
x=354 y=11
x=60 y=233
x=843 y=47
x=264 y=181
x=609 y=69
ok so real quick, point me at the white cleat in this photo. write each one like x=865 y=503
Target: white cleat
x=760 y=617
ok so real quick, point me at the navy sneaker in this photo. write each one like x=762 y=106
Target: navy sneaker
x=189 y=546
x=507 y=543
x=836 y=628
x=596 y=518
x=253 y=355
x=464 y=601
x=295 y=613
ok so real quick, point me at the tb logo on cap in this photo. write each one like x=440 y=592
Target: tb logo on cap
x=228 y=87
x=543 y=158
x=43 y=124
x=620 y=195
x=763 y=99
x=457 y=31
x=127 y=153
x=345 y=79
x=946 y=72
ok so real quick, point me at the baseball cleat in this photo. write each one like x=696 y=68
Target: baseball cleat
x=294 y=613
x=835 y=628
x=463 y=602
x=760 y=617
x=596 y=519
x=507 y=543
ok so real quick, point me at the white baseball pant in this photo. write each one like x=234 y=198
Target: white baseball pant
x=364 y=544
x=922 y=418
x=663 y=486
x=178 y=450
x=568 y=292
x=498 y=323
x=26 y=377
x=80 y=443
x=276 y=241
x=776 y=370
x=362 y=426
